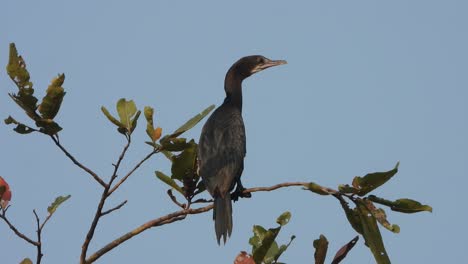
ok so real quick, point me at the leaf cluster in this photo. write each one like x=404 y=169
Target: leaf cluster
x=265 y=248
x=364 y=216
x=42 y=114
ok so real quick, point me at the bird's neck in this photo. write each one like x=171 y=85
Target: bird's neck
x=233 y=88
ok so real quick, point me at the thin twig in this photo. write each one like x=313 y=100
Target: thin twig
x=174 y=199
x=16 y=231
x=39 y=243
x=132 y=171
x=122 y=155
x=77 y=163
x=45 y=221
x=113 y=209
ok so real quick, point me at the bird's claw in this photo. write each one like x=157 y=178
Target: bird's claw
x=239 y=192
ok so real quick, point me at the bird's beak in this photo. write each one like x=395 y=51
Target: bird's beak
x=268 y=64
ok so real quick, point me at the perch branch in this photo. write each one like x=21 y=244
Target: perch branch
x=274 y=187
x=177 y=216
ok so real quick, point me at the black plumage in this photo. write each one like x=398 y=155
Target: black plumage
x=222 y=145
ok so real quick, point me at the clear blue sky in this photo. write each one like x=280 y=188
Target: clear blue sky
x=368 y=83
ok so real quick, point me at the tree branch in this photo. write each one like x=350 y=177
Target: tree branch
x=170 y=218
x=174 y=199
x=132 y=171
x=177 y=216
x=39 y=243
x=117 y=165
x=274 y=187
x=102 y=201
x=113 y=209
x=77 y=163
x=16 y=231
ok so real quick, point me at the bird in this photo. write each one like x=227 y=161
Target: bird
x=222 y=145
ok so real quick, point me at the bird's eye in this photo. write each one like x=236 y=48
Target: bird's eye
x=260 y=60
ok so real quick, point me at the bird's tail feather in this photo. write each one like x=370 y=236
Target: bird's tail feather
x=222 y=216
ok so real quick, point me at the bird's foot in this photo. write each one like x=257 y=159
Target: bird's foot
x=239 y=192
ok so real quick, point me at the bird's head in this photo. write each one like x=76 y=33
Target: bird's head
x=249 y=65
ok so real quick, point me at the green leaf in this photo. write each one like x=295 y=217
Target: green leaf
x=256 y=239
x=282 y=249
x=381 y=217
x=134 y=121
x=26 y=261
x=148 y=111
x=167 y=154
x=58 y=201
x=16 y=69
x=408 y=206
x=20 y=128
x=192 y=122
x=167 y=180
x=271 y=253
x=321 y=247
x=352 y=215
x=268 y=239
x=184 y=164
x=345 y=188
x=371 y=181
x=174 y=144
x=341 y=254
x=111 y=118
x=284 y=218
x=372 y=234
x=53 y=99
x=318 y=189
x=48 y=126
x=126 y=110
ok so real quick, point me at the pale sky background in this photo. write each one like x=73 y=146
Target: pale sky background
x=368 y=83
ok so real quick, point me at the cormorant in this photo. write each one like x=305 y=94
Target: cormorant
x=222 y=147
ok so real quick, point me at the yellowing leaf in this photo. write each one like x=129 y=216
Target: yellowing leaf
x=54 y=96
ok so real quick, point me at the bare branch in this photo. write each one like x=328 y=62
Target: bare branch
x=45 y=221
x=92 y=228
x=77 y=163
x=39 y=243
x=132 y=171
x=274 y=187
x=16 y=231
x=122 y=155
x=176 y=216
x=102 y=201
x=113 y=209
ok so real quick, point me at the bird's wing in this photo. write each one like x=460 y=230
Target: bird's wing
x=221 y=151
